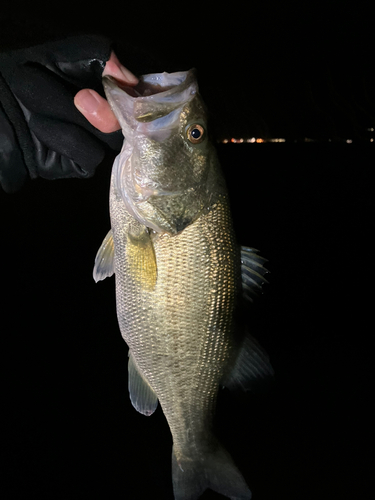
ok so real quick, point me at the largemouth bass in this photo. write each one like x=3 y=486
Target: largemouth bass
x=179 y=275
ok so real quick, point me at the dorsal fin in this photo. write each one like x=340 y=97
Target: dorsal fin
x=141 y=394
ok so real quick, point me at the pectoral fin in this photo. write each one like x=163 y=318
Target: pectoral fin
x=141 y=256
x=104 y=267
x=252 y=272
x=141 y=394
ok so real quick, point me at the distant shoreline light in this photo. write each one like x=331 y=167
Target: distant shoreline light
x=251 y=140
x=259 y=140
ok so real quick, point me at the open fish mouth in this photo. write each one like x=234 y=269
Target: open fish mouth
x=155 y=96
x=157 y=83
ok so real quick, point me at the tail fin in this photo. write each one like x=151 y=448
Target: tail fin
x=215 y=470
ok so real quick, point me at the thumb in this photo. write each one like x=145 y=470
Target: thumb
x=96 y=110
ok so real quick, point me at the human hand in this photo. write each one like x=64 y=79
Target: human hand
x=43 y=133
x=94 y=107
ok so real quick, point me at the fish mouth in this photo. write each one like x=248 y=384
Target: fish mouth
x=155 y=96
x=142 y=89
x=154 y=83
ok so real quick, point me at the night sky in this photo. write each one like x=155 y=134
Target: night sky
x=293 y=70
x=269 y=69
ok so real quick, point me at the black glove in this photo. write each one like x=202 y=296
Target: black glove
x=41 y=131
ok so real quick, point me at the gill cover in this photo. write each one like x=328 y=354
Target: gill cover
x=162 y=170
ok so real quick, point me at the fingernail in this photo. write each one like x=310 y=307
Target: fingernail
x=128 y=75
x=89 y=101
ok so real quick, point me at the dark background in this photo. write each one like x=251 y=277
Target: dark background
x=291 y=69
x=70 y=431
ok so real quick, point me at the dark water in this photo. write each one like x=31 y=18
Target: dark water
x=70 y=430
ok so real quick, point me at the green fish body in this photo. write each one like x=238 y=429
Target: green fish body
x=178 y=275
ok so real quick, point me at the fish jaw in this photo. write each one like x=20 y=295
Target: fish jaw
x=156 y=96
x=161 y=175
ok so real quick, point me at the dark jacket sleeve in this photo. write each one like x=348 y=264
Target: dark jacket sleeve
x=42 y=134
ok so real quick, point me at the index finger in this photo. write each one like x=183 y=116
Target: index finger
x=114 y=68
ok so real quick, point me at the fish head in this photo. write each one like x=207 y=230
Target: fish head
x=164 y=166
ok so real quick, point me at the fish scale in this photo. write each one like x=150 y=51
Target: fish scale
x=178 y=275
x=191 y=318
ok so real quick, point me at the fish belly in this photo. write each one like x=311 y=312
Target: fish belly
x=179 y=331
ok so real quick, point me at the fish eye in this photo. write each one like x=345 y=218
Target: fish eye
x=195 y=133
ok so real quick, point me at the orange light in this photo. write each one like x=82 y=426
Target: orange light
x=259 y=140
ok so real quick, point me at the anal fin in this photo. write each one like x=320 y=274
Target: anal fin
x=141 y=394
x=251 y=367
